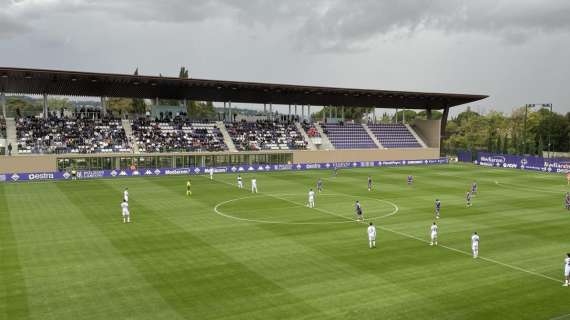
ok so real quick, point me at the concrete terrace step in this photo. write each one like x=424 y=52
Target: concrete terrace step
x=227 y=138
x=418 y=138
x=325 y=142
x=129 y=133
x=11 y=135
x=372 y=136
x=311 y=145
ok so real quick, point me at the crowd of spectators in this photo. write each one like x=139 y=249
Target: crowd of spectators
x=310 y=129
x=60 y=134
x=265 y=135
x=177 y=134
x=2 y=127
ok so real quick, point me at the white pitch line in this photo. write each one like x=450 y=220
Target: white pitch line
x=564 y=316
x=442 y=246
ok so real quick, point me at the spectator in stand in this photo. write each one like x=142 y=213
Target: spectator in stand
x=71 y=135
x=265 y=135
x=177 y=134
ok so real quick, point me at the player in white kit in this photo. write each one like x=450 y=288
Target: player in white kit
x=311 y=203
x=211 y=173
x=475 y=245
x=567 y=270
x=240 y=182
x=371 y=236
x=126 y=195
x=434 y=230
x=254 y=185
x=125 y=213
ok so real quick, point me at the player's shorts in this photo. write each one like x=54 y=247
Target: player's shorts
x=311 y=199
x=567 y=271
x=434 y=235
x=125 y=213
x=371 y=238
x=475 y=247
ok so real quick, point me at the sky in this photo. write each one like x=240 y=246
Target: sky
x=515 y=51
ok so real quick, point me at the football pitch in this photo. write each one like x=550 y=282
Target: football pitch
x=225 y=253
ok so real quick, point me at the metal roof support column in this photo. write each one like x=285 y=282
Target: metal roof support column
x=225 y=112
x=309 y=113
x=3 y=103
x=230 y=111
x=404 y=115
x=303 y=112
x=270 y=111
x=342 y=112
x=265 y=110
x=443 y=124
x=289 y=115
x=396 y=115
x=45 y=106
x=428 y=114
x=103 y=106
x=296 y=114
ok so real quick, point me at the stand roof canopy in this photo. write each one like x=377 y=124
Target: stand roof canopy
x=89 y=84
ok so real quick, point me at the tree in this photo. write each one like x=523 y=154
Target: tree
x=540 y=147
x=435 y=115
x=120 y=105
x=499 y=145
x=356 y=113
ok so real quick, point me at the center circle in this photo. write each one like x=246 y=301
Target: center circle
x=331 y=208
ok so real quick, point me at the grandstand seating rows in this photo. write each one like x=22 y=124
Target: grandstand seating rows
x=178 y=135
x=394 y=135
x=77 y=135
x=70 y=135
x=265 y=135
x=349 y=136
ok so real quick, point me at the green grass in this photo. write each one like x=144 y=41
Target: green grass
x=66 y=255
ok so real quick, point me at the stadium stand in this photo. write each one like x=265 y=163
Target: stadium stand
x=265 y=135
x=70 y=135
x=394 y=135
x=310 y=129
x=177 y=135
x=348 y=136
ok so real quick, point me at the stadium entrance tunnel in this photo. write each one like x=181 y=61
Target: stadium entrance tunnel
x=330 y=208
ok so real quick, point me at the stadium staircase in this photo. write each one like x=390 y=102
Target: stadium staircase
x=372 y=136
x=11 y=135
x=129 y=133
x=413 y=132
x=325 y=142
x=310 y=144
x=227 y=138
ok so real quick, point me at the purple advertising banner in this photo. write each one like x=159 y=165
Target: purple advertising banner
x=96 y=174
x=523 y=162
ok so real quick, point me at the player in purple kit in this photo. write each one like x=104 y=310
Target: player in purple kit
x=468 y=199
x=410 y=179
x=474 y=188
x=437 y=208
x=567 y=201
